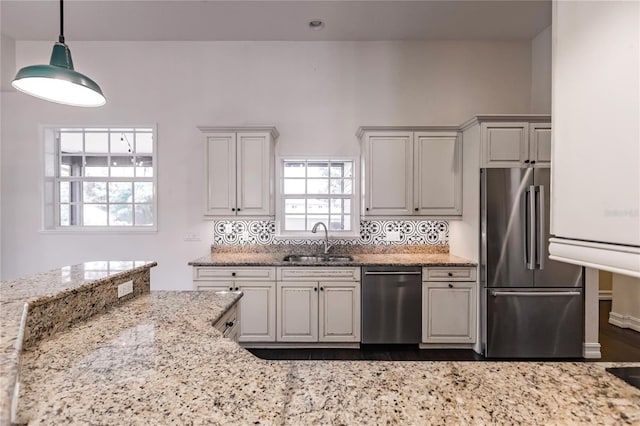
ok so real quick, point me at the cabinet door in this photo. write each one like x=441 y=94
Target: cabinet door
x=257 y=312
x=449 y=312
x=254 y=174
x=540 y=143
x=221 y=174
x=297 y=312
x=438 y=172
x=339 y=312
x=388 y=167
x=505 y=144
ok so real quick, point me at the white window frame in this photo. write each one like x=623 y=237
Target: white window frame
x=51 y=197
x=355 y=199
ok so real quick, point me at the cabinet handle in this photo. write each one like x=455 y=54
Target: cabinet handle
x=526 y=161
x=315 y=289
x=450 y=274
x=367 y=209
x=233 y=209
x=416 y=209
x=229 y=324
x=321 y=288
x=233 y=274
x=450 y=285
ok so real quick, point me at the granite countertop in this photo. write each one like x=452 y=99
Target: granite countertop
x=158 y=360
x=360 y=259
x=19 y=296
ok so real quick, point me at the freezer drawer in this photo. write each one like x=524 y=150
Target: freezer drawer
x=534 y=322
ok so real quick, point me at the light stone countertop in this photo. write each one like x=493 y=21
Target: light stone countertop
x=158 y=360
x=22 y=296
x=360 y=259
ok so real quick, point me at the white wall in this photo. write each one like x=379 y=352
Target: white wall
x=541 y=72
x=625 y=305
x=315 y=93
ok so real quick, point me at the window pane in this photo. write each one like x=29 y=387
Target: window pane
x=96 y=166
x=65 y=192
x=143 y=192
x=294 y=169
x=317 y=186
x=348 y=169
x=121 y=142
x=340 y=223
x=341 y=186
x=70 y=142
x=64 y=215
x=144 y=143
x=144 y=215
x=294 y=186
x=96 y=142
x=337 y=170
x=294 y=223
x=313 y=219
x=95 y=214
x=318 y=169
x=122 y=166
x=120 y=214
x=95 y=192
x=120 y=192
x=71 y=165
x=144 y=166
x=294 y=205
x=315 y=205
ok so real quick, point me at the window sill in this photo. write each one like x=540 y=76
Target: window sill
x=99 y=230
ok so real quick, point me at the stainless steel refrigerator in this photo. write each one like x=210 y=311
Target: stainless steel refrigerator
x=533 y=307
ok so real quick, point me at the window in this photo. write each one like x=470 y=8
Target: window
x=313 y=191
x=100 y=178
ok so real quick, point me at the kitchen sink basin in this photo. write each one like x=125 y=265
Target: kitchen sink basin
x=303 y=258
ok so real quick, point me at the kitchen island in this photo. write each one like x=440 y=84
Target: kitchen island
x=157 y=360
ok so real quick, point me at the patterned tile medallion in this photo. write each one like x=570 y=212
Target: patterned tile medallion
x=374 y=232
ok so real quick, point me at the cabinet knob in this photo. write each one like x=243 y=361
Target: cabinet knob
x=237 y=288
x=229 y=324
x=230 y=288
x=238 y=209
x=526 y=161
x=321 y=288
x=533 y=162
x=233 y=209
x=450 y=285
x=315 y=289
x=233 y=274
x=416 y=209
x=450 y=274
x=367 y=209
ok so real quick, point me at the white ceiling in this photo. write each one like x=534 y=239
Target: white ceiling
x=187 y=20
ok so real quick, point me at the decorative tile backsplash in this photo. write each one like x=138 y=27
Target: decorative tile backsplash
x=373 y=232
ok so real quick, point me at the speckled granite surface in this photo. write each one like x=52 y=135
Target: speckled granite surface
x=157 y=360
x=39 y=305
x=388 y=259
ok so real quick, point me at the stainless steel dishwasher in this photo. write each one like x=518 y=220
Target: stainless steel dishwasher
x=391 y=304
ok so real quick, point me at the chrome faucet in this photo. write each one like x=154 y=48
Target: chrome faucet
x=327 y=246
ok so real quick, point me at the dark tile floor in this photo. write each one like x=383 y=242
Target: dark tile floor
x=617 y=345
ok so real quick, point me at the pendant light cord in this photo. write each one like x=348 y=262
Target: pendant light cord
x=61 y=36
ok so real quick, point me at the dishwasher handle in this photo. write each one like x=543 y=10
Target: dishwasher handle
x=392 y=273
x=535 y=293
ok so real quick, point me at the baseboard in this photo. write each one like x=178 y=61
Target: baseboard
x=591 y=350
x=301 y=345
x=605 y=294
x=624 y=321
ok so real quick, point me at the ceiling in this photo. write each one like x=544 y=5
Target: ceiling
x=187 y=20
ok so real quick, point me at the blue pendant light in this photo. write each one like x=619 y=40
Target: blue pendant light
x=58 y=81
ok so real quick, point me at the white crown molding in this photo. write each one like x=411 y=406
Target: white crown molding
x=228 y=129
x=532 y=118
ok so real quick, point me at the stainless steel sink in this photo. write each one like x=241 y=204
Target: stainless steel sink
x=303 y=258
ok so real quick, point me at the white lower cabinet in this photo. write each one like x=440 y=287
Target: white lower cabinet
x=256 y=308
x=316 y=307
x=449 y=308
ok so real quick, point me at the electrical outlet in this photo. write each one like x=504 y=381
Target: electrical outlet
x=125 y=288
x=392 y=236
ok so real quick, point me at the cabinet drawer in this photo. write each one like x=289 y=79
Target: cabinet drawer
x=448 y=274
x=319 y=274
x=229 y=272
x=229 y=322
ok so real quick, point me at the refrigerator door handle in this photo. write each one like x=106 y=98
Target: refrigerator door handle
x=531 y=229
x=535 y=293
x=541 y=228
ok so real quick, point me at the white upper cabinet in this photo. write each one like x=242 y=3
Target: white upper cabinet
x=388 y=173
x=240 y=171
x=516 y=144
x=438 y=176
x=595 y=198
x=411 y=172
